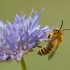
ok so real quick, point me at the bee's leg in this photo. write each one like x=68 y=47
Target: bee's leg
x=39 y=46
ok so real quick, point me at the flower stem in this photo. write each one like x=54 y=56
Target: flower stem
x=23 y=64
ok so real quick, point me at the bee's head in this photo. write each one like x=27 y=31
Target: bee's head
x=58 y=30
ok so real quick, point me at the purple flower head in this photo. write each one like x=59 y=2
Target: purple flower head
x=20 y=36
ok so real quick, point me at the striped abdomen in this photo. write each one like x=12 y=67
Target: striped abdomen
x=46 y=49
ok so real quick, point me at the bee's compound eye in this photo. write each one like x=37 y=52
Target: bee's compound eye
x=56 y=31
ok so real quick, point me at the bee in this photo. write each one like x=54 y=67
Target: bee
x=53 y=39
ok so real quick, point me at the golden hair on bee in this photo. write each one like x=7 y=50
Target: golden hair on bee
x=53 y=39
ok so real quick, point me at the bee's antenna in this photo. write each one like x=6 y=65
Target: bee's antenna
x=61 y=24
x=65 y=29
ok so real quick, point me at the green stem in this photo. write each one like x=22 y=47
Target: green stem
x=23 y=64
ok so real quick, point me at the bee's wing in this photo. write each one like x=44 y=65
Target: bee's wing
x=52 y=53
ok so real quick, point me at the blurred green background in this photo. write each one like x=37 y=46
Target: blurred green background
x=55 y=11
